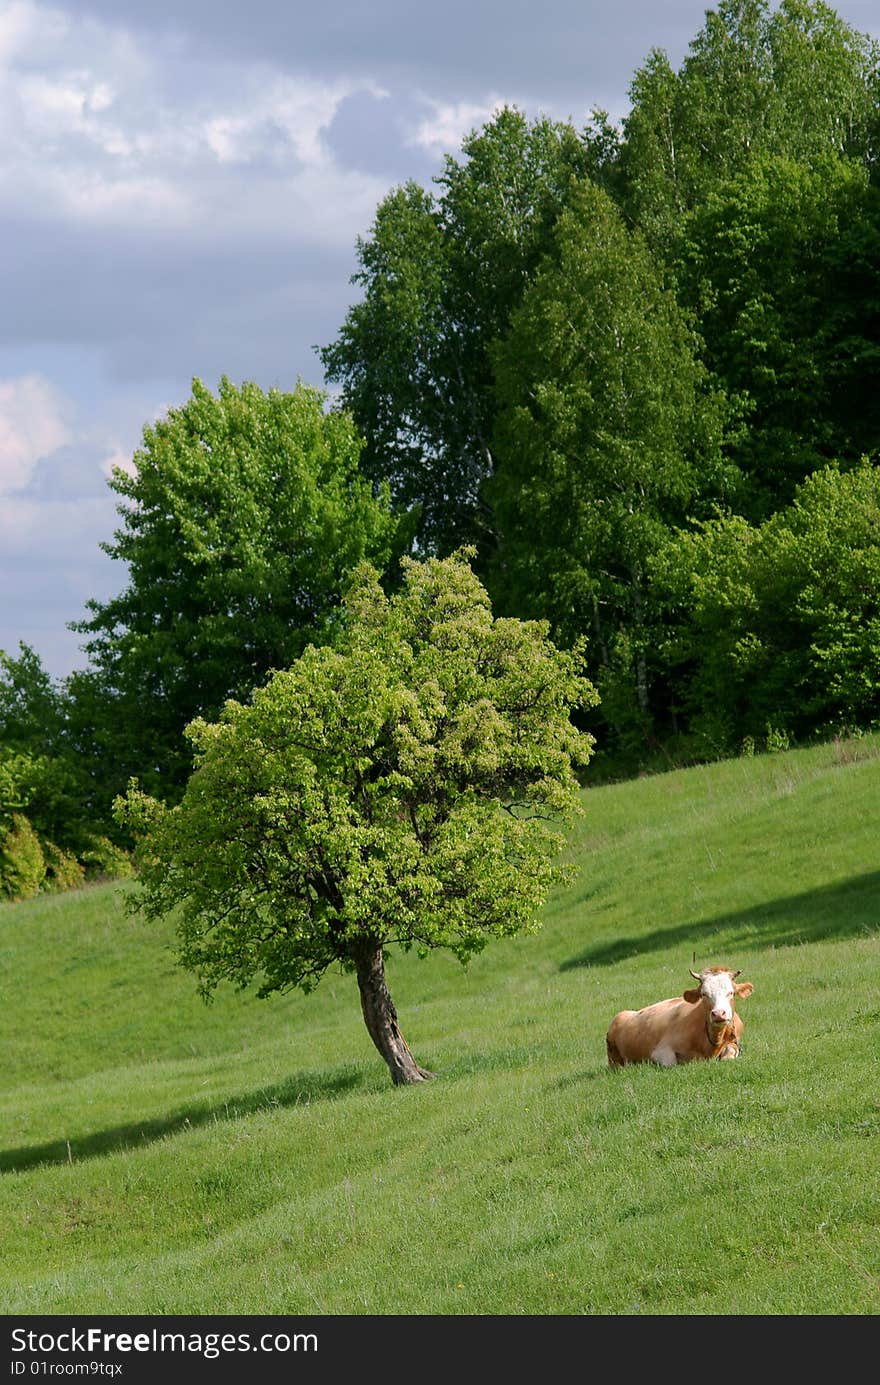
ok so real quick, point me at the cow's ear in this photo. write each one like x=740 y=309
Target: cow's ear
x=743 y=990
x=692 y=996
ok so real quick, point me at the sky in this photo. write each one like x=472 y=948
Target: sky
x=182 y=183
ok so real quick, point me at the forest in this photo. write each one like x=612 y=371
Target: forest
x=630 y=369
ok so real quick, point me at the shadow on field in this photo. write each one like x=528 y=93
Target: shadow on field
x=842 y=910
x=299 y=1090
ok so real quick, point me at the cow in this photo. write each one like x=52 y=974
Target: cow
x=701 y=1023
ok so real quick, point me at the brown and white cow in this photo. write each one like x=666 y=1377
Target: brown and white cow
x=701 y=1023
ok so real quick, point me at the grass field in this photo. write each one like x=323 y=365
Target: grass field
x=160 y=1156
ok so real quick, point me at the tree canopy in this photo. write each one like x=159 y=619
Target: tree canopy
x=607 y=434
x=440 y=275
x=776 y=264
x=794 y=80
x=242 y=518
x=776 y=629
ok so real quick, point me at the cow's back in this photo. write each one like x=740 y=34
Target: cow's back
x=635 y=1036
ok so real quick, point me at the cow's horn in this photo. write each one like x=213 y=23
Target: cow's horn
x=696 y=975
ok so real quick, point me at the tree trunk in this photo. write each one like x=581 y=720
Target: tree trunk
x=380 y=1017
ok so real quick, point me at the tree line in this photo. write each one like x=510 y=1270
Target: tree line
x=632 y=369
x=627 y=361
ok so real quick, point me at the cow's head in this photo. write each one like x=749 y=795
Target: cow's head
x=718 y=990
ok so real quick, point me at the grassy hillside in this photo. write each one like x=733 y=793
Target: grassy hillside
x=159 y=1156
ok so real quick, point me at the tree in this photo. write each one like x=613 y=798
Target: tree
x=38 y=770
x=31 y=705
x=51 y=834
x=781 y=265
x=795 y=81
x=241 y=523
x=607 y=433
x=777 y=626
x=394 y=789
x=440 y=275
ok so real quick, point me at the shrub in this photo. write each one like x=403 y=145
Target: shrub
x=775 y=628
x=103 y=860
x=22 y=863
x=63 y=870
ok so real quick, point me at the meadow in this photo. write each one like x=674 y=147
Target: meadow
x=162 y=1156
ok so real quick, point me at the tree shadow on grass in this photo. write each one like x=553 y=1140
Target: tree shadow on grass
x=849 y=908
x=300 y=1090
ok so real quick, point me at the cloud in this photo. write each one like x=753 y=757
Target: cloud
x=50 y=448
x=442 y=131
x=371 y=132
x=19 y=21
x=580 y=52
x=51 y=564
x=34 y=421
x=100 y=128
x=55 y=511
x=58 y=527
x=279 y=118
